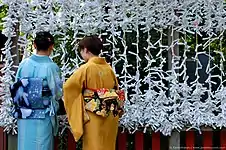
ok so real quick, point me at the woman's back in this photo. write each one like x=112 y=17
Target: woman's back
x=36 y=66
x=81 y=93
x=99 y=74
x=38 y=123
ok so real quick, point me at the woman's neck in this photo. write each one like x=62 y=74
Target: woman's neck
x=45 y=53
x=91 y=56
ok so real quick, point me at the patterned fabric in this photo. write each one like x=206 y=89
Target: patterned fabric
x=98 y=133
x=104 y=101
x=44 y=68
x=31 y=100
x=36 y=133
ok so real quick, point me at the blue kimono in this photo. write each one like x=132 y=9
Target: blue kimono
x=37 y=128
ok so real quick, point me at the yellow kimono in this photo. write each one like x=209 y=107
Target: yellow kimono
x=98 y=133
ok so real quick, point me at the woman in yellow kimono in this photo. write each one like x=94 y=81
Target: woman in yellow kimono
x=99 y=133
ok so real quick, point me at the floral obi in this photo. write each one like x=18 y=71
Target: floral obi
x=104 y=101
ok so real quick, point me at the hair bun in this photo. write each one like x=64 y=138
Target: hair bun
x=43 y=40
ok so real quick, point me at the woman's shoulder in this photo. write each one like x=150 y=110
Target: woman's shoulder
x=26 y=61
x=84 y=66
x=53 y=65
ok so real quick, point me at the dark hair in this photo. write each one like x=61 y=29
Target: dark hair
x=92 y=43
x=43 y=40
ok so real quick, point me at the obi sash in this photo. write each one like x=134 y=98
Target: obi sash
x=104 y=101
x=30 y=100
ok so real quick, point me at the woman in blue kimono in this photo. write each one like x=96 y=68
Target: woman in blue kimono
x=35 y=96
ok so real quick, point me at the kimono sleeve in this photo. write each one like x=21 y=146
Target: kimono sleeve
x=73 y=101
x=19 y=73
x=55 y=85
x=54 y=81
x=115 y=79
